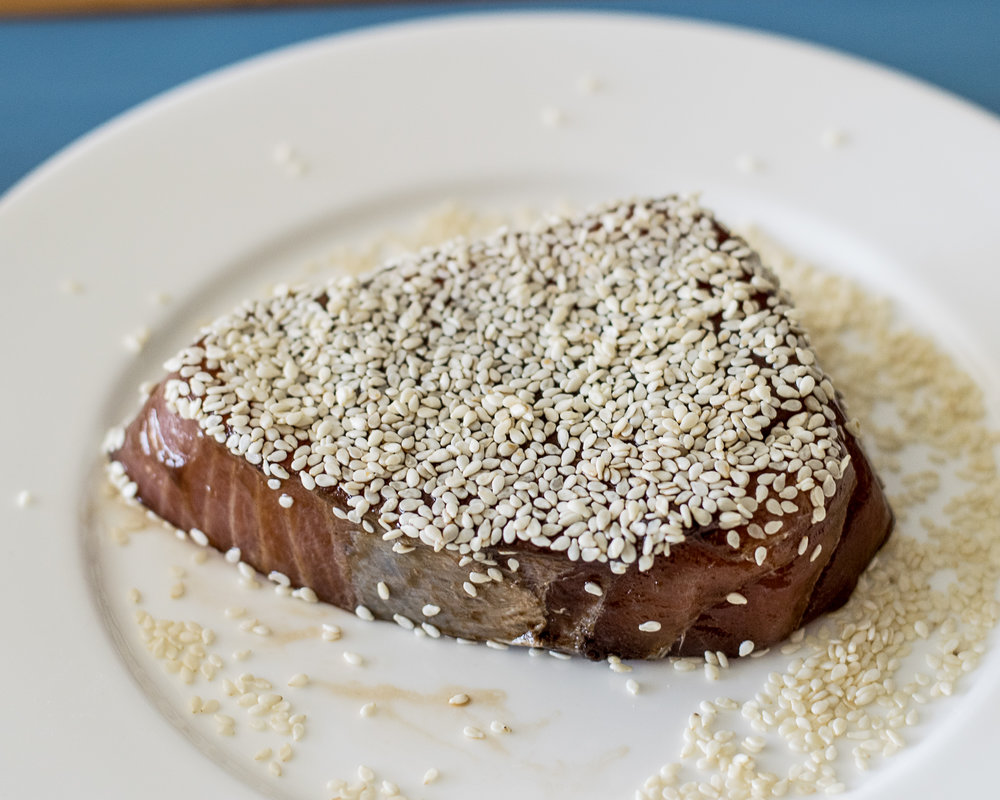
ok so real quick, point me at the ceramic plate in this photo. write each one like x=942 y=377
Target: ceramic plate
x=171 y=213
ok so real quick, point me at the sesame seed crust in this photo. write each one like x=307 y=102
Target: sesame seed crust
x=602 y=392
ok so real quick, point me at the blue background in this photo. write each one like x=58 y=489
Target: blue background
x=62 y=76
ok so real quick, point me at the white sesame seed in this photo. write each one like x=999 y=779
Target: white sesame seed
x=588 y=85
x=460 y=699
x=736 y=599
x=136 y=341
x=23 y=499
x=430 y=776
x=362 y=612
x=649 y=626
x=367 y=710
x=198 y=537
x=305 y=594
x=746 y=648
x=552 y=117
x=833 y=138
x=298 y=680
x=592 y=588
x=471 y=732
x=353 y=659
x=71 y=286
x=430 y=610
x=383 y=590
x=286 y=501
x=330 y=633
x=632 y=686
x=748 y=164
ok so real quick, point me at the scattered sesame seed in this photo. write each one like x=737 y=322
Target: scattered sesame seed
x=305 y=594
x=23 y=499
x=460 y=699
x=499 y=727
x=471 y=732
x=298 y=680
x=589 y=85
x=177 y=590
x=746 y=648
x=330 y=633
x=833 y=138
x=552 y=117
x=632 y=686
x=592 y=588
x=431 y=775
x=136 y=341
x=430 y=610
x=134 y=596
x=748 y=164
x=650 y=626
x=383 y=590
x=198 y=537
x=616 y=665
x=286 y=501
x=363 y=612
x=263 y=754
x=368 y=709
x=736 y=599
x=289 y=159
x=353 y=659
x=71 y=286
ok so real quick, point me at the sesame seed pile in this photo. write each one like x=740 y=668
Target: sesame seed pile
x=921 y=615
x=602 y=386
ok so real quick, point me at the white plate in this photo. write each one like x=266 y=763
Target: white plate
x=183 y=196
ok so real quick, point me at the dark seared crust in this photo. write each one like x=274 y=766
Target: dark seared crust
x=192 y=481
